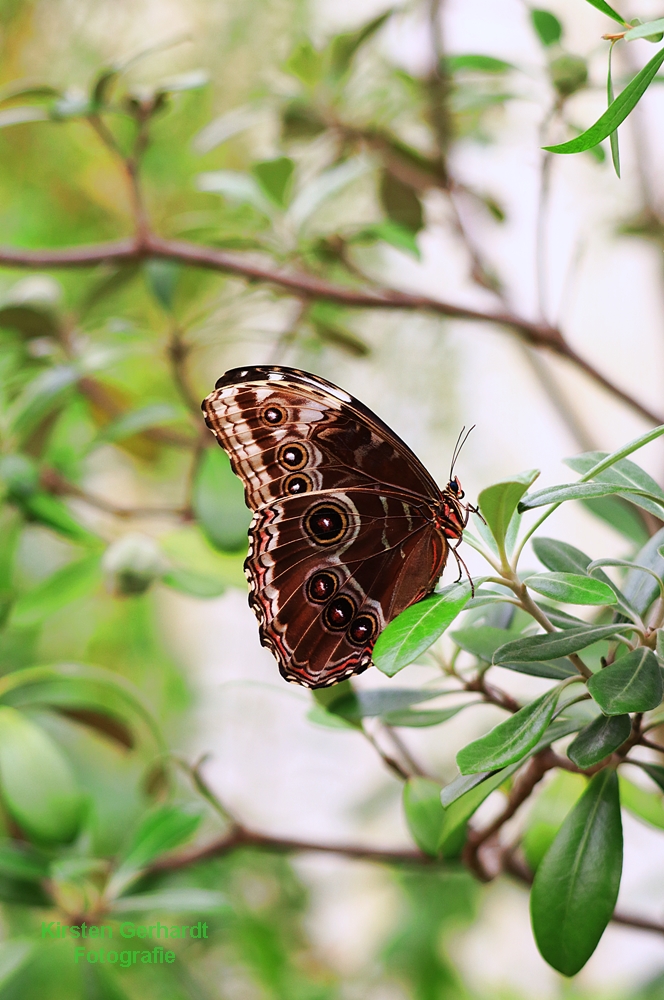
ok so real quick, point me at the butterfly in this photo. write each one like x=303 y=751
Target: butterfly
x=348 y=529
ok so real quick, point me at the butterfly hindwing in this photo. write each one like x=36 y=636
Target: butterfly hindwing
x=327 y=573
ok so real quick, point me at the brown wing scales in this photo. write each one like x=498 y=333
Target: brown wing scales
x=344 y=535
x=321 y=607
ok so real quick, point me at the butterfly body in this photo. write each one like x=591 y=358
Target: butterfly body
x=349 y=528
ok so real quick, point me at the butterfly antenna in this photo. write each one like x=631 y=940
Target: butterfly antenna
x=461 y=440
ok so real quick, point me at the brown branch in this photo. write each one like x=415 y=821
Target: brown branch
x=539 y=335
x=55 y=483
x=178 y=352
x=523 y=787
x=239 y=837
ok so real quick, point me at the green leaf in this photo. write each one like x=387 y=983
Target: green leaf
x=331 y=325
x=560 y=618
x=571 y=588
x=162 y=830
x=68 y=584
x=620 y=513
x=21 y=115
x=594 y=567
x=40 y=397
x=218 y=502
x=194 y=584
x=401 y=203
x=652 y=30
x=175 y=900
x=482 y=640
x=14 y=954
x=192 y=79
x=654 y=771
x=606 y=9
x=477 y=64
x=368 y=704
x=465 y=782
x=418 y=627
x=38 y=786
x=499 y=502
x=22 y=861
x=53 y=513
x=599 y=739
x=74 y=687
x=162 y=279
x=20 y=476
x=236 y=187
x=511 y=739
x=461 y=807
x=343 y=47
x=616 y=113
x=639 y=588
x=276 y=178
x=559 y=556
x=631 y=684
x=224 y=127
x=389 y=232
x=557 y=669
x=136 y=421
x=547 y=815
x=17 y=89
x=576 y=885
x=424 y=813
x=616 y=467
x=583 y=491
x=554 y=644
x=30 y=320
x=330 y=720
x=613 y=138
x=305 y=63
x=102 y=86
x=326 y=186
x=548 y=27
x=623 y=472
x=648 y=806
x=420 y=719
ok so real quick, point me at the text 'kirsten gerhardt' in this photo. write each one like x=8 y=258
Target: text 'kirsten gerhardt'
x=127 y=930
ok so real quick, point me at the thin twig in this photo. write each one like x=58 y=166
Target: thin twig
x=539 y=335
x=240 y=838
x=55 y=483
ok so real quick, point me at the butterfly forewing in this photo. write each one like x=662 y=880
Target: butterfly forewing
x=288 y=432
x=345 y=533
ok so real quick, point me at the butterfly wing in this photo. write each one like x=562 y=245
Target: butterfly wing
x=327 y=572
x=344 y=534
x=288 y=432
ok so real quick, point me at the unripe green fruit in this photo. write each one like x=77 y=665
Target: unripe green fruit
x=20 y=476
x=568 y=74
x=133 y=563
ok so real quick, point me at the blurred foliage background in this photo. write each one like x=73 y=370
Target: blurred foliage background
x=351 y=143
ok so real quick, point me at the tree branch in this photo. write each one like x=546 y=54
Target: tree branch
x=539 y=335
x=240 y=837
x=55 y=483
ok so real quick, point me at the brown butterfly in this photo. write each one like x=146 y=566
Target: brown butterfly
x=349 y=528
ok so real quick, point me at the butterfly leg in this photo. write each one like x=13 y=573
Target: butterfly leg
x=471 y=509
x=462 y=568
